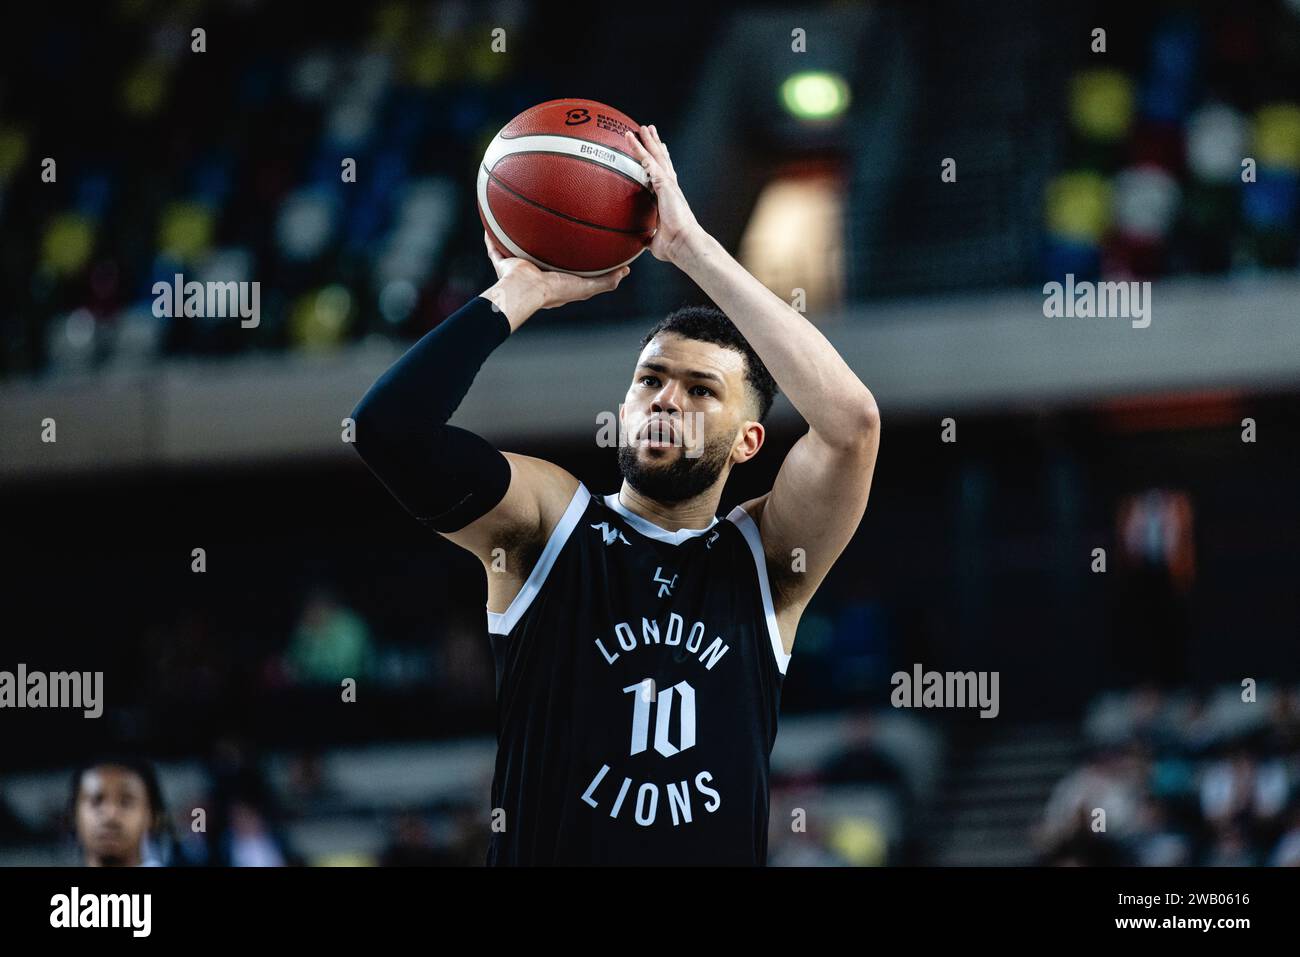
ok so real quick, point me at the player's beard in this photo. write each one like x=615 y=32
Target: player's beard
x=680 y=479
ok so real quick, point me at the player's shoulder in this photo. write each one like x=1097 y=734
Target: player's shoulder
x=754 y=507
x=543 y=469
x=783 y=580
x=772 y=551
x=747 y=517
x=553 y=486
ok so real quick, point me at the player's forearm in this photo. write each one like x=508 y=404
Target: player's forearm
x=821 y=386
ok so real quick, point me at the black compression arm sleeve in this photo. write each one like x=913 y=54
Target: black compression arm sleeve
x=446 y=477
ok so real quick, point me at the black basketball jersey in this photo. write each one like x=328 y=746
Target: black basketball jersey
x=639 y=677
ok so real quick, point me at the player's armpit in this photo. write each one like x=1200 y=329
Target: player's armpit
x=523 y=520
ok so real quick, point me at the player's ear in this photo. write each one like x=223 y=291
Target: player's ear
x=752 y=435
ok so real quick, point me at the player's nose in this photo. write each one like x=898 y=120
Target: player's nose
x=667 y=400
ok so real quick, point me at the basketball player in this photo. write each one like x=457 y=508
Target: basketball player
x=117 y=804
x=640 y=642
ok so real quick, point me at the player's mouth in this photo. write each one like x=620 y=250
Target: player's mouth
x=659 y=434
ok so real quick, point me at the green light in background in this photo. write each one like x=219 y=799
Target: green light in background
x=815 y=95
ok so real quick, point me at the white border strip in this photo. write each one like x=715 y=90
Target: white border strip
x=501 y=147
x=502 y=623
x=742 y=520
x=546 y=143
x=649 y=529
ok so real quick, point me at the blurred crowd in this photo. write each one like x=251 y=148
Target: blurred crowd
x=850 y=802
x=1182 y=778
x=1183 y=151
x=233 y=814
x=227 y=165
x=860 y=803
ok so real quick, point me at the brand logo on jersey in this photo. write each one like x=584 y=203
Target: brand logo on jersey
x=712 y=538
x=610 y=535
x=665 y=584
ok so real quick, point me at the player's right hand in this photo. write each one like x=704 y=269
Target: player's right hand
x=522 y=288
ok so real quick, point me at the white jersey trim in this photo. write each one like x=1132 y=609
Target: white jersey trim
x=749 y=528
x=504 y=622
x=650 y=529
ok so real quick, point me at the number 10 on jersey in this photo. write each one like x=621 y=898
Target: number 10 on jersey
x=645 y=699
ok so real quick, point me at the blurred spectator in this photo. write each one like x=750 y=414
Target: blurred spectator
x=118 y=813
x=1109 y=782
x=1231 y=848
x=1240 y=788
x=412 y=844
x=307 y=784
x=1287 y=853
x=331 y=643
x=1185 y=779
x=1157 y=843
x=249 y=842
x=240 y=832
x=12 y=829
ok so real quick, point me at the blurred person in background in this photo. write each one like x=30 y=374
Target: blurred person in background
x=1240 y=788
x=12 y=828
x=1287 y=852
x=307 y=783
x=119 y=814
x=1284 y=722
x=249 y=841
x=1155 y=529
x=1232 y=848
x=192 y=845
x=412 y=844
x=331 y=643
x=243 y=829
x=1112 y=781
x=1156 y=842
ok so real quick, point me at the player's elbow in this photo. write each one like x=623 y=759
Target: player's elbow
x=866 y=431
x=370 y=431
x=859 y=430
x=869 y=416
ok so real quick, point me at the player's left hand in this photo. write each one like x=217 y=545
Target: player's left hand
x=677 y=225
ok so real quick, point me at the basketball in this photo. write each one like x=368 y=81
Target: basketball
x=557 y=187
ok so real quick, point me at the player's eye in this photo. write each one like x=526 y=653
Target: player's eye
x=649 y=380
x=705 y=390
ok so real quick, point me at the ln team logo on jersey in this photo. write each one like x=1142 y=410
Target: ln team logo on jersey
x=665 y=584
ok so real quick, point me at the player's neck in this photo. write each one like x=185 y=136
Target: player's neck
x=693 y=513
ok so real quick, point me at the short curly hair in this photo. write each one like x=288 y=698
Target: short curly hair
x=710 y=324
